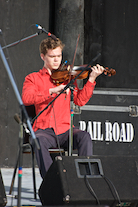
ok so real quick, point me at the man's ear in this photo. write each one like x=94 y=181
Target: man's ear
x=42 y=56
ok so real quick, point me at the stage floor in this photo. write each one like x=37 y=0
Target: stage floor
x=27 y=196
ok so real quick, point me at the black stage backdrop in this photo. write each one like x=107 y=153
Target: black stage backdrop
x=105 y=26
x=16 y=18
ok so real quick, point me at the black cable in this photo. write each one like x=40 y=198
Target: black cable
x=108 y=181
x=10 y=63
x=91 y=189
x=23 y=35
x=58 y=144
x=63 y=164
x=12 y=46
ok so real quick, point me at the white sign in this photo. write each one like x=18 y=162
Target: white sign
x=116 y=132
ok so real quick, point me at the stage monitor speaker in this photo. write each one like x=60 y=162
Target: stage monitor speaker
x=95 y=180
x=3 y=199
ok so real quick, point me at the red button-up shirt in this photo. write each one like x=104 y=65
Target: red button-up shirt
x=36 y=92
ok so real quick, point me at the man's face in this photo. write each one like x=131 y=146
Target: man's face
x=52 y=59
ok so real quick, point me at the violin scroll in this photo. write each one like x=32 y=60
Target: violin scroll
x=109 y=72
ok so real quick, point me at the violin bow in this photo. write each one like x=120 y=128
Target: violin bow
x=71 y=105
x=71 y=66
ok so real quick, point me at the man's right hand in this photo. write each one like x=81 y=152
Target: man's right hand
x=58 y=89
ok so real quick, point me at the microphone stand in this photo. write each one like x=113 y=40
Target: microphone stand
x=24 y=39
x=71 y=122
x=22 y=107
x=69 y=85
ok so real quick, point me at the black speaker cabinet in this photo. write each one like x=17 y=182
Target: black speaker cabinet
x=95 y=180
x=3 y=199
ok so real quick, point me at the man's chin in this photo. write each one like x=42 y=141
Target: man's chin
x=55 y=67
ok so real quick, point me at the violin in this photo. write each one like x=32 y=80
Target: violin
x=64 y=73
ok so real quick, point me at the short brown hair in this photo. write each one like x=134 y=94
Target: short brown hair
x=50 y=43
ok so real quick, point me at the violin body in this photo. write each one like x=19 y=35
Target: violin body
x=61 y=75
x=65 y=73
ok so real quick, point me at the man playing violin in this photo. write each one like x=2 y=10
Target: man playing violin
x=54 y=123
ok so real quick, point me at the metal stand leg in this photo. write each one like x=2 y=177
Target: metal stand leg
x=71 y=124
x=14 y=174
x=33 y=168
x=33 y=172
x=20 y=165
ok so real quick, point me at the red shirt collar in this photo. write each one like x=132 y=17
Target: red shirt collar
x=44 y=71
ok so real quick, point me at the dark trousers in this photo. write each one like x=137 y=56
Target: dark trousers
x=48 y=139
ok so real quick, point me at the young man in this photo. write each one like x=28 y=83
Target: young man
x=53 y=124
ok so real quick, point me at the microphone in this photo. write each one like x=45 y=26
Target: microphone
x=18 y=120
x=62 y=66
x=48 y=33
